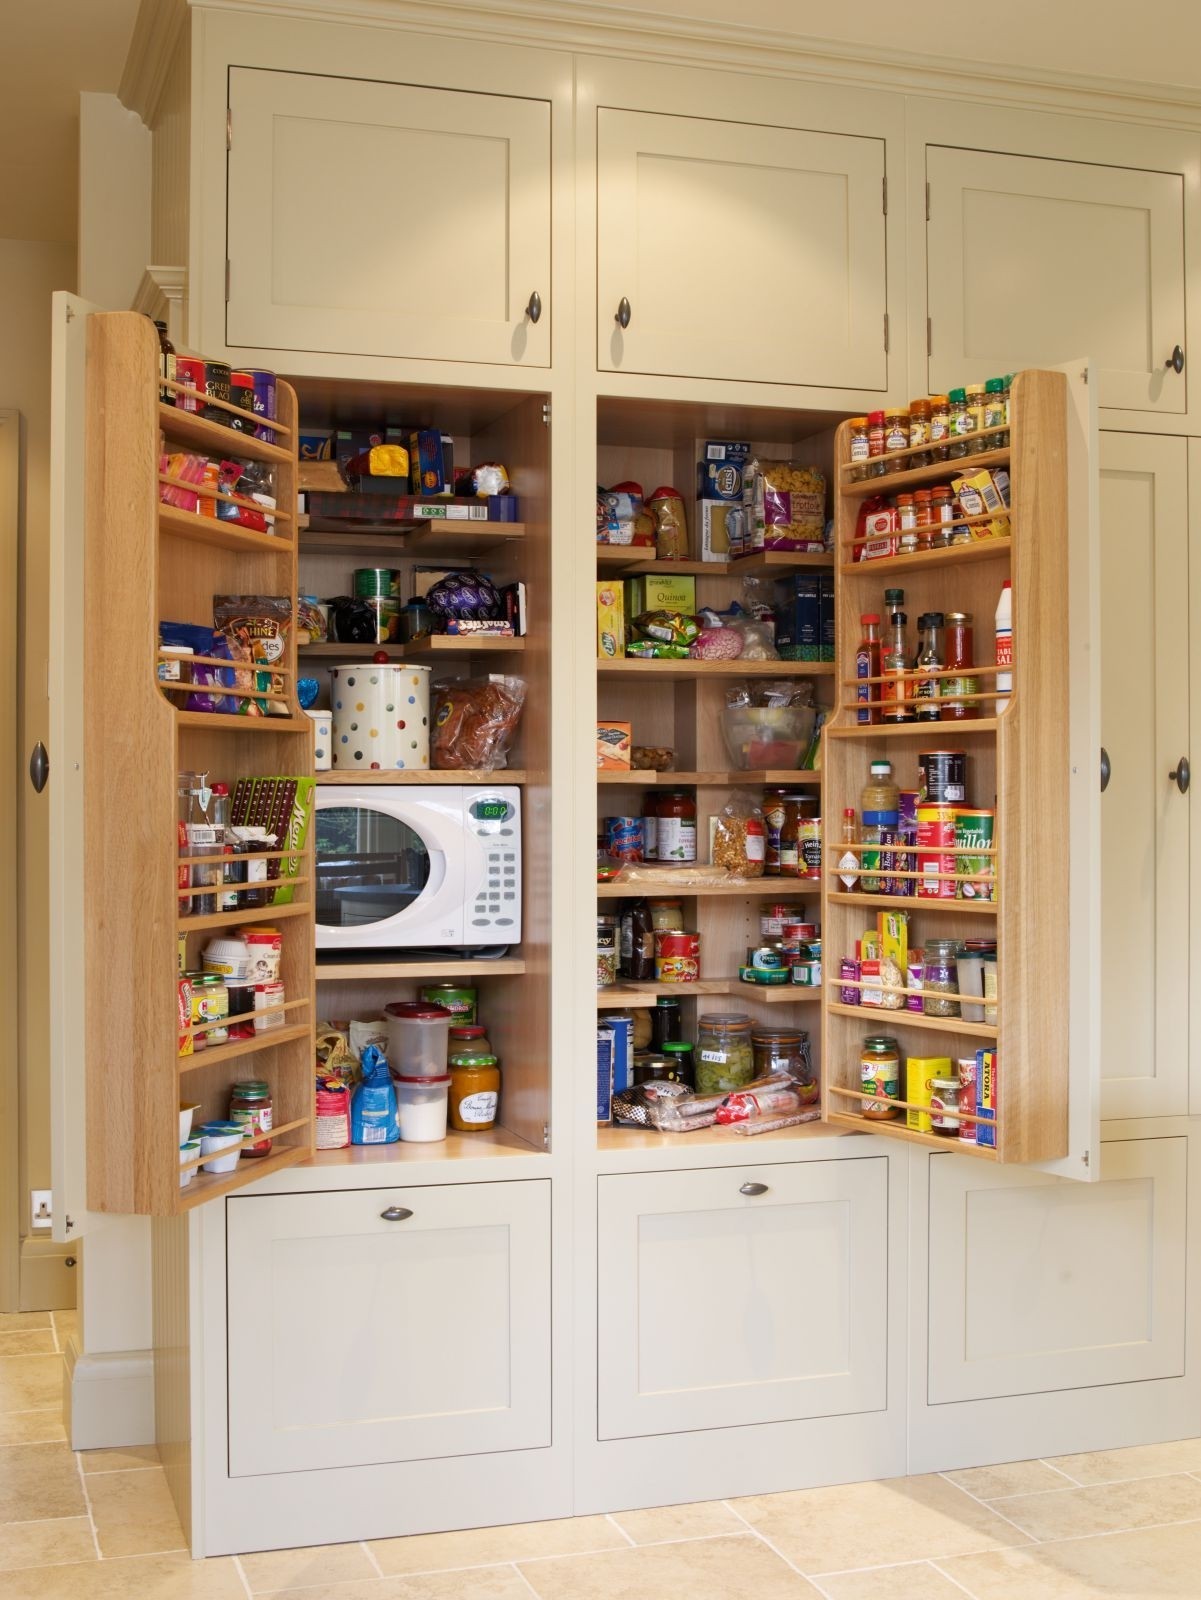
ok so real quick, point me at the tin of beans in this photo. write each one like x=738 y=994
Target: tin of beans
x=623 y=838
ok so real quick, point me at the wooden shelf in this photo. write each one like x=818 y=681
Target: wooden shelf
x=915 y=477
x=432 y=537
x=628 y=562
x=687 y=668
x=243 y=1047
x=638 y=995
x=649 y=1141
x=487 y=1144
x=898 y=902
x=896 y=1128
x=208 y=1185
x=215 y=439
x=711 y=780
x=944 y=727
x=253 y=914
x=955 y=555
x=424 y=775
x=878 y=1016
x=214 y=720
x=436 y=644
x=756 y=887
x=222 y=535
x=449 y=969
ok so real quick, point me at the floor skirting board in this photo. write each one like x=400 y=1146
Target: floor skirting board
x=108 y=1399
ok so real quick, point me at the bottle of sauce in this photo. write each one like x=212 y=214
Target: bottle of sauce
x=959 y=694
x=880 y=808
x=677 y=827
x=930 y=660
x=773 y=824
x=867 y=665
x=1003 y=624
x=895 y=665
x=166 y=364
x=848 y=862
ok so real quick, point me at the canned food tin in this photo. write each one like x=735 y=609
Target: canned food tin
x=217 y=378
x=809 y=830
x=623 y=838
x=766 y=955
x=775 y=918
x=264 y=398
x=977 y=873
x=944 y=777
x=677 y=957
x=190 y=372
x=606 y=952
x=453 y=997
x=935 y=853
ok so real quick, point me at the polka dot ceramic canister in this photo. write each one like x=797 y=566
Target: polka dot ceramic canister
x=381 y=717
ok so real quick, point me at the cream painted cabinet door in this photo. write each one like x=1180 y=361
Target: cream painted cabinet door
x=384 y=219
x=1032 y=262
x=742 y=252
x=1144 y=1032
x=377 y=1325
x=741 y=1295
x=1036 y=1284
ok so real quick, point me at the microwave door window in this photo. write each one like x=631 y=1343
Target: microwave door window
x=371 y=867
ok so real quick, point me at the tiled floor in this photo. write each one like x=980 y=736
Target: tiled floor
x=1114 y=1525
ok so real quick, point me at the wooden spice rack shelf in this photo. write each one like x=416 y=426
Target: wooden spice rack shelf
x=624 y=993
x=418 y=971
x=759 y=888
x=221 y=535
x=188 y=427
x=666 y=671
x=917 y=477
x=424 y=775
x=434 y=644
x=429 y=537
x=625 y=561
x=881 y=1016
x=955 y=555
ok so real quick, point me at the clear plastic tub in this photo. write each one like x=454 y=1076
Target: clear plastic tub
x=221 y=1144
x=759 y=737
x=417 y=1038
x=421 y=1104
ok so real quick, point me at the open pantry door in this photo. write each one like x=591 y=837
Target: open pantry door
x=66 y=780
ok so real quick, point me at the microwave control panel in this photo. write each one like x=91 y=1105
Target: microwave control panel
x=495 y=820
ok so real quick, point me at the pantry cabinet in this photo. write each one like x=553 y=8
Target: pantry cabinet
x=1036 y=1285
x=1031 y=260
x=1144 y=1032
x=373 y=218
x=792 y=292
x=388 y=1325
x=740 y=1295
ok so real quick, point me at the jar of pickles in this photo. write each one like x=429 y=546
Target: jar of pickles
x=724 y=1056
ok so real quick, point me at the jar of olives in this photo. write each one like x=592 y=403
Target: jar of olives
x=724 y=1057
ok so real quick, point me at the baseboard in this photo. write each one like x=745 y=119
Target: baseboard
x=48 y=1278
x=108 y=1400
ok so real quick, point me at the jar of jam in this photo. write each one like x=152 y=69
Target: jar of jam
x=876 y=467
x=677 y=827
x=858 y=448
x=940 y=426
x=474 y=1092
x=880 y=1077
x=896 y=430
x=650 y=826
x=250 y=1105
x=919 y=431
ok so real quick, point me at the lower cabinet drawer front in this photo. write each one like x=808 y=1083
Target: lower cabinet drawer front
x=721 y=1308
x=359 y=1334
x=1039 y=1284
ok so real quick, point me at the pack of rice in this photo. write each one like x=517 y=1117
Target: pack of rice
x=784 y=507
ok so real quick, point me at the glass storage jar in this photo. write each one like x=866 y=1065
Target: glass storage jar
x=250 y=1104
x=724 y=1056
x=940 y=978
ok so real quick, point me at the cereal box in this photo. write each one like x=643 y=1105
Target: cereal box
x=613 y=746
x=798 y=618
x=610 y=620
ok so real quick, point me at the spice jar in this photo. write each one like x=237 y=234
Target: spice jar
x=942 y=507
x=919 y=431
x=782 y=1050
x=880 y=1077
x=958 y=695
x=876 y=467
x=896 y=430
x=923 y=518
x=962 y=423
x=859 y=449
x=677 y=827
x=975 y=407
x=907 y=522
x=994 y=414
x=250 y=1105
x=724 y=1057
x=940 y=426
x=474 y=1091
x=606 y=952
x=940 y=978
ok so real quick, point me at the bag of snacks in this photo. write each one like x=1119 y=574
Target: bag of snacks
x=717 y=644
x=667 y=627
x=621 y=517
x=785 y=505
x=256 y=629
x=473 y=721
x=740 y=838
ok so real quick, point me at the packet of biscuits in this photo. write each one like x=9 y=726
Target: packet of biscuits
x=256 y=627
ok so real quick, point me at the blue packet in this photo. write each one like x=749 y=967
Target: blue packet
x=374 y=1118
x=202 y=641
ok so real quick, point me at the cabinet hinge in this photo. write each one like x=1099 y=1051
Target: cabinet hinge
x=229 y=128
x=886 y=333
x=546 y=1136
x=546 y=413
x=929 y=337
x=927 y=202
x=884 y=184
x=227 y=280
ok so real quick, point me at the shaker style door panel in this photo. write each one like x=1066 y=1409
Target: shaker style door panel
x=385 y=219
x=1144 y=1032
x=1038 y=1285
x=719 y=1308
x=792 y=291
x=357 y=1337
x=1031 y=262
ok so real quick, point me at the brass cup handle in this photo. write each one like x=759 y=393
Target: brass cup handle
x=396 y=1214
x=533 y=309
x=1180 y=775
x=1175 y=361
x=622 y=315
x=753 y=1188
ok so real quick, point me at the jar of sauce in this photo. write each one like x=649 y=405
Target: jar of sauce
x=958 y=695
x=210 y=1003
x=677 y=827
x=474 y=1092
x=250 y=1105
x=880 y=1076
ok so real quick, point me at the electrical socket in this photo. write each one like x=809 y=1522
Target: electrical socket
x=39 y=1208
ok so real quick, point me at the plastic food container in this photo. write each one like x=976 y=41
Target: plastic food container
x=323 y=736
x=222 y=1141
x=186 y=1113
x=188 y=1151
x=417 y=1037
x=229 y=957
x=760 y=737
x=421 y=1104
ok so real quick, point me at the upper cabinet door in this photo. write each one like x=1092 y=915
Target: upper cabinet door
x=383 y=219
x=740 y=252
x=1032 y=261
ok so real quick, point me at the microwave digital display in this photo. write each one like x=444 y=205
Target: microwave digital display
x=491 y=810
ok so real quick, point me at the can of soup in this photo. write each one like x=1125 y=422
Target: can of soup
x=944 y=777
x=977 y=873
x=935 y=852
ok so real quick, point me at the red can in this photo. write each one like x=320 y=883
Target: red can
x=677 y=957
x=190 y=371
x=936 y=852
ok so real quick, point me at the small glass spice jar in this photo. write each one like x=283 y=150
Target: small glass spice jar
x=250 y=1104
x=907 y=522
x=940 y=426
x=896 y=429
x=859 y=448
x=962 y=424
x=942 y=508
x=923 y=518
x=919 y=431
x=975 y=406
x=940 y=978
x=876 y=466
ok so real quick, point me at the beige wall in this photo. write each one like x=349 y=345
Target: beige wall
x=29 y=271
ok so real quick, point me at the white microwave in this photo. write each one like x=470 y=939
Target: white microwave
x=403 y=867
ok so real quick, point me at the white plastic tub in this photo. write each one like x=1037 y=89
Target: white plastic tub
x=188 y=1151
x=421 y=1103
x=186 y=1113
x=417 y=1038
x=221 y=1145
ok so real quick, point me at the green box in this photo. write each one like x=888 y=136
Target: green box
x=659 y=592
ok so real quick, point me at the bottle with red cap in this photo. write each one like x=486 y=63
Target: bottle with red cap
x=867 y=666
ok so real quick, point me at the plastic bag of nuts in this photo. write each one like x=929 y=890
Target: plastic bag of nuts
x=740 y=838
x=651 y=758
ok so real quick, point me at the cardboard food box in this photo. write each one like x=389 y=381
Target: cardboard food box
x=719 y=472
x=986 y=1098
x=798 y=618
x=604 y=1075
x=610 y=620
x=656 y=592
x=920 y=1072
x=613 y=740
x=825 y=611
x=719 y=524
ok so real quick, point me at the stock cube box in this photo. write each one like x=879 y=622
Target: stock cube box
x=798 y=618
x=660 y=592
x=719 y=471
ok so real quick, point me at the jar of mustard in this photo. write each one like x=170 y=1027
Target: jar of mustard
x=474 y=1092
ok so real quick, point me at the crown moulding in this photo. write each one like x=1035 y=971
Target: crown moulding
x=593 y=27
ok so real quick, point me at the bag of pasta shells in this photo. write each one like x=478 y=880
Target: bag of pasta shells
x=740 y=838
x=785 y=506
